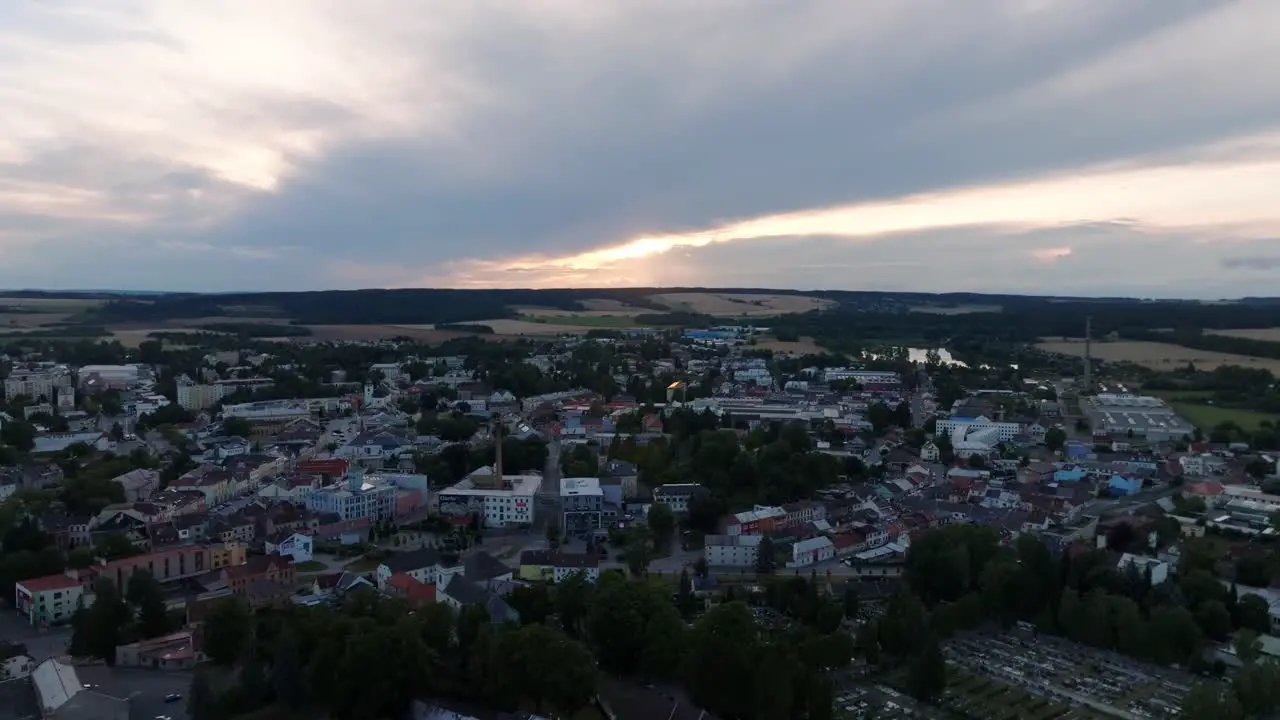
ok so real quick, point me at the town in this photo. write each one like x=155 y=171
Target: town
x=636 y=523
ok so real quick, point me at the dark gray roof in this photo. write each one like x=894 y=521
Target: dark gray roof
x=413 y=560
x=18 y=700
x=482 y=567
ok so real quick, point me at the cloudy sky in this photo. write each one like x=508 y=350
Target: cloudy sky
x=1041 y=146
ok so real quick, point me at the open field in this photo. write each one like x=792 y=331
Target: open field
x=611 y=305
x=23 y=321
x=586 y=321
x=134 y=337
x=541 y=312
x=804 y=346
x=360 y=333
x=1193 y=405
x=50 y=305
x=1264 y=334
x=1157 y=356
x=742 y=305
x=956 y=309
x=532 y=327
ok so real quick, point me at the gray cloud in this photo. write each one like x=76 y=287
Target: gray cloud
x=1253 y=262
x=665 y=120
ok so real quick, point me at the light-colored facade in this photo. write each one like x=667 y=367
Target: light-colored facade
x=354 y=497
x=811 y=551
x=50 y=600
x=732 y=550
x=677 y=495
x=1004 y=431
x=296 y=546
x=581 y=504
x=35 y=384
x=497 y=505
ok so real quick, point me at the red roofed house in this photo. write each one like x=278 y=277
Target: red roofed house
x=49 y=600
x=332 y=467
x=410 y=589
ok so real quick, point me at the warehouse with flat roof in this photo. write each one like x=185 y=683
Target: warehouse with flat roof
x=1146 y=417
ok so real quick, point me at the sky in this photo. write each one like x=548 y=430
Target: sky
x=1012 y=146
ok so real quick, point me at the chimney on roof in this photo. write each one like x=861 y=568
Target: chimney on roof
x=498 y=481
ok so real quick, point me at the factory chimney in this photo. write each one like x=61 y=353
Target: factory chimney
x=1088 y=354
x=498 y=481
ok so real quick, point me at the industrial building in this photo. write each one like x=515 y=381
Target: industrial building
x=1145 y=417
x=498 y=500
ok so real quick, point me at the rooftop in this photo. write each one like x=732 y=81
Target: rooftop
x=50 y=582
x=516 y=485
x=580 y=486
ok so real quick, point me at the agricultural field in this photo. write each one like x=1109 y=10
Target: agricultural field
x=20 y=313
x=536 y=327
x=803 y=346
x=1263 y=334
x=956 y=309
x=1157 y=356
x=742 y=305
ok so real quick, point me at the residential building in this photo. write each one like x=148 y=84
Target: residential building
x=50 y=600
x=358 y=495
x=812 y=551
x=759 y=520
x=551 y=566
x=424 y=565
x=1123 y=485
x=261 y=580
x=51 y=443
x=1003 y=431
x=731 y=550
x=626 y=474
x=677 y=495
x=269 y=414
x=294 y=545
x=34 y=384
x=459 y=592
x=497 y=502
x=175 y=651
x=581 y=505
x=414 y=592
x=1158 y=570
x=139 y=483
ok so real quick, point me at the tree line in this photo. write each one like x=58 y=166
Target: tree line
x=370 y=657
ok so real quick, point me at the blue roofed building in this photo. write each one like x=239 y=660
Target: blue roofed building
x=1069 y=474
x=1120 y=485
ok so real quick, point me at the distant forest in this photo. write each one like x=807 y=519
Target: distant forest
x=865 y=315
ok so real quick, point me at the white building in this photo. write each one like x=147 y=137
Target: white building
x=567 y=565
x=355 y=497
x=1004 y=431
x=1159 y=570
x=731 y=550
x=509 y=501
x=34 y=384
x=268 y=410
x=811 y=551
x=109 y=376
x=677 y=495
x=295 y=546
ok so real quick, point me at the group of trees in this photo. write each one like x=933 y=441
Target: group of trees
x=117 y=619
x=372 y=656
x=774 y=464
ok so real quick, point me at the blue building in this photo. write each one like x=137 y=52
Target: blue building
x=1071 y=474
x=1120 y=485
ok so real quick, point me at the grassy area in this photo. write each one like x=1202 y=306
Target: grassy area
x=595 y=321
x=1190 y=405
x=310 y=566
x=363 y=565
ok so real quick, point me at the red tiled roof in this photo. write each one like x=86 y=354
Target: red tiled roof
x=334 y=467
x=50 y=582
x=413 y=590
x=1204 y=488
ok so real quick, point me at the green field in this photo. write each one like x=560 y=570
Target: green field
x=1190 y=405
x=595 y=321
x=363 y=565
x=310 y=566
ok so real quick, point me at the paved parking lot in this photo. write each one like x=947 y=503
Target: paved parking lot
x=147 y=688
x=41 y=644
x=1075 y=674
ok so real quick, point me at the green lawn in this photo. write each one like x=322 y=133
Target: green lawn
x=310 y=566
x=1190 y=405
x=363 y=565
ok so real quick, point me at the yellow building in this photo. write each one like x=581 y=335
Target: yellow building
x=226 y=554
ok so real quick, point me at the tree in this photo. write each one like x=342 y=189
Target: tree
x=639 y=550
x=572 y=601
x=1246 y=645
x=1209 y=701
x=553 y=534
x=97 y=630
x=202 y=704
x=19 y=434
x=1055 y=439
x=850 y=601
x=227 y=629
x=533 y=602
x=287 y=675
x=237 y=427
x=662 y=523
x=147 y=599
x=927 y=675
x=766 y=561
x=880 y=417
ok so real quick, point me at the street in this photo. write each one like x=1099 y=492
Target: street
x=146 y=688
x=41 y=644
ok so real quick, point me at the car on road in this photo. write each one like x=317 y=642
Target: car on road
x=173 y=697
